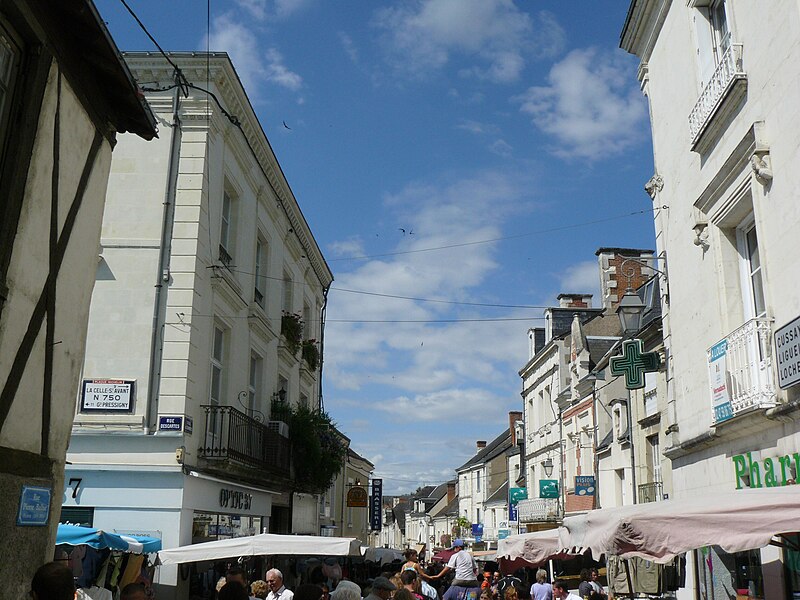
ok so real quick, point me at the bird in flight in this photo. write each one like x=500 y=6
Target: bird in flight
x=287 y=127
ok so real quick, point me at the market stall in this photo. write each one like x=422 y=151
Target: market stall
x=265 y=544
x=103 y=562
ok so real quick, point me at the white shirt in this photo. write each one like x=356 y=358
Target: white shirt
x=281 y=594
x=464 y=565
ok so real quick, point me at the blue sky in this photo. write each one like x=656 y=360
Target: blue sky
x=460 y=121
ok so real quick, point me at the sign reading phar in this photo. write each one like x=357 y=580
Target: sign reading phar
x=770 y=472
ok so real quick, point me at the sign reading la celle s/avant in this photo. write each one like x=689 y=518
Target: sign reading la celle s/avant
x=107 y=395
x=787 y=351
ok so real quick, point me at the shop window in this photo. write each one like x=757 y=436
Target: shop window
x=721 y=576
x=791 y=564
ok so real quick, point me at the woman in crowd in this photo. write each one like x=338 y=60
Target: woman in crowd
x=541 y=590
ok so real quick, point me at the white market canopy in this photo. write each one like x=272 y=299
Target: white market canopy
x=658 y=531
x=264 y=544
x=382 y=556
x=534 y=548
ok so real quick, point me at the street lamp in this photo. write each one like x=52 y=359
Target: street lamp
x=630 y=310
x=547 y=465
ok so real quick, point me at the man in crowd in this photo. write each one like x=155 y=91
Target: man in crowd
x=463 y=564
x=134 y=591
x=53 y=581
x=382 y=589
x=561 y=592
x=277 y=591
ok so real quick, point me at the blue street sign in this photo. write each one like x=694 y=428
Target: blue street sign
x=34 y=506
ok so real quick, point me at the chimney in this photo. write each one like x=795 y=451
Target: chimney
x=451 y=491
x=513 y=417
x=575 y=301
x=481 y=444
x=614 y=275
x=535 y=341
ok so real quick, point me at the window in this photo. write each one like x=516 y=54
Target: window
x=254 y=387
x=217 y=366
x=654 y=458
x=752 y=273
x=307 y=325
x=226 y=237
x=304 y=401
x=287 y=292
x=260 y=273
x=10 y=57
x=477 y=515
x=283 y=384
x=713 y=36
x=478 y=481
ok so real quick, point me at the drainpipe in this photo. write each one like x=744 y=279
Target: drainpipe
x=163 y=275
x=322 y=313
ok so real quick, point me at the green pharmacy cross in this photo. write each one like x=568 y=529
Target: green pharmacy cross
x=634 y=363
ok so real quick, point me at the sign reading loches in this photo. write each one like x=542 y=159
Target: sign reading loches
x=787 y=351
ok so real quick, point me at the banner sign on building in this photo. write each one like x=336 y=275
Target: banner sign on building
x=357 y=497
x=376 y=505
x=718 y=379
x=787 y=350
x=515 y=494
x=107 y=395
x=548 y=488
x=584 y=485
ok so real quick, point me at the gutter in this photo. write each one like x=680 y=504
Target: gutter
x=163 y=275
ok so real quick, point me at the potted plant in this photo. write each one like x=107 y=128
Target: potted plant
x=292 y=330
x=311 y=354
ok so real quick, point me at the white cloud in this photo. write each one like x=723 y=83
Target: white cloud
x=425 y=35
x=590 y=107
x=253 y=66
x=501 y=148
x=255 y=8
x=477 y=127
x=582 y=278
x=349 y=46
x=276 y=72
x=286 y=8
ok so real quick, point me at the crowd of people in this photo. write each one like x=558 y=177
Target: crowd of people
x=459 y=579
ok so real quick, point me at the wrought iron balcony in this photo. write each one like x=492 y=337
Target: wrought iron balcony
x=651 y=492
x=224 y=257
x=727 y=75
x=232 y=435
x=258 y=296
x=539 y=509
x=748 y=379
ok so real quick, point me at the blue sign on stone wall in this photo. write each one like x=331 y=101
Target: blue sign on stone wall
x=34 y=506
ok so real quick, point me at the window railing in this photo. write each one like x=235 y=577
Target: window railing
x=651 y=492
x=539 y=509
x=225 y=258
x=259 y=297
x=728 y=71
x=748 y=368
x=232 y=435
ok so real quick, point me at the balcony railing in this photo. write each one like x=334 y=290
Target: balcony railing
x=232 y=435
x=728 y=72
x=538 y=509
x=651 y=492
x=224 y=257
x=748 y=369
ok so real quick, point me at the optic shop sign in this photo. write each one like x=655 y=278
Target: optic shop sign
x=107 y=395
x=787 y=349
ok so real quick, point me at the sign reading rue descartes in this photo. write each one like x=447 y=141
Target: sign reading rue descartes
x=769 y=472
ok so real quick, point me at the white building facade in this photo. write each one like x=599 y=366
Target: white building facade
x=204 y=252
x=720 y=77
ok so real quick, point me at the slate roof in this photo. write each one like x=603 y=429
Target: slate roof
x=599 y=347
x=499 y=444
x=450 y=509
x=561 y=318
x=499 y=494
x=399 y=513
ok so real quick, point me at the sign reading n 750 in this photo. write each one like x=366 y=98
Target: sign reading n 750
x=115 y=395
